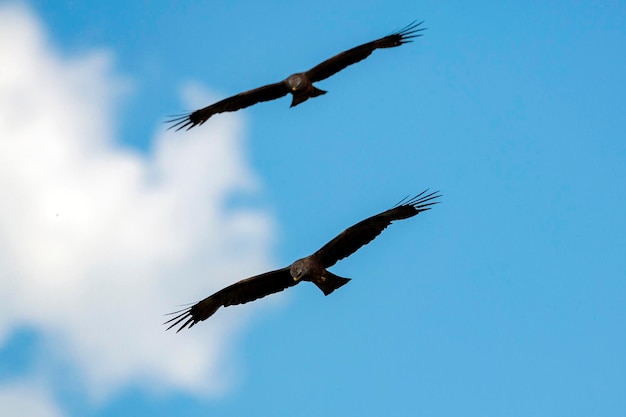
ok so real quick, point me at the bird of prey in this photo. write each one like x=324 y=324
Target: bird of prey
x=300 y=85
x=312 y=268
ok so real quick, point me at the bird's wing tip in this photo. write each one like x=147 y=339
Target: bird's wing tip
x=411 y=28
x=180 y=121
x=181 y=315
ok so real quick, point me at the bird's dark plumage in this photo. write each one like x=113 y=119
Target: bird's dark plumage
x=311 y=268
x=300 y=85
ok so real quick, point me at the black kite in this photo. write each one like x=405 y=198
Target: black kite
x=300 y=85
x=312 y=268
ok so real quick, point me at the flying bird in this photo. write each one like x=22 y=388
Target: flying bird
x=313 y=268
x=300 y=85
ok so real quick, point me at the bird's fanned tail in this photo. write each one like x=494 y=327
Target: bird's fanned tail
x=331 y=282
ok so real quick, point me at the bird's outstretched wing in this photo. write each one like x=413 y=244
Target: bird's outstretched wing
x=352 y=56
x=241 y=292
x=362 y=233
x=234 y=103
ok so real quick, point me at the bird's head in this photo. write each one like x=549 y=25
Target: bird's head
x=295 y=82
x=297 y=270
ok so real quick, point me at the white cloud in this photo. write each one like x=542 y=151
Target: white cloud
x=98 y=242
x=27 y=399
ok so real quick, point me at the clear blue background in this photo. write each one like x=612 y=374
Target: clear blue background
x=508 y=299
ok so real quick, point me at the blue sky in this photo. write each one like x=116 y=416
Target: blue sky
x=508 y=298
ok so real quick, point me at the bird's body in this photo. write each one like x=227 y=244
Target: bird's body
x=301 y=88
x=312 y=268
x=299 y=85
